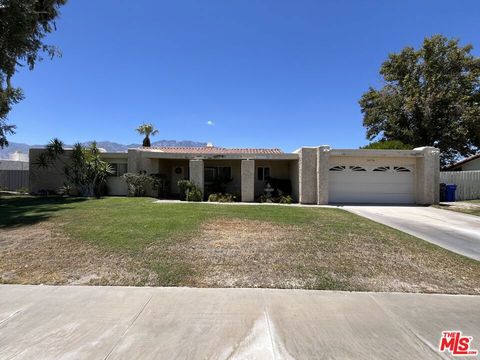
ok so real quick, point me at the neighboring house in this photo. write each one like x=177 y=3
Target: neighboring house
x=318 y=175
x=469 y=164
x=18 y=156
x=13 y=165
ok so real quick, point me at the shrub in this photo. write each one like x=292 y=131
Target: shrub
x=184 y=186
x=264 y=198
x=225 y=198
x=189 y=191
x=213 y=197
x=285 y=199
x=282 y=199
x=194 y=195
x=137 y=183
x=85 y=169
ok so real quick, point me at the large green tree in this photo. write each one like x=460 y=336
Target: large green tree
x=430 y=97
x=387 y=145
x=23 y=27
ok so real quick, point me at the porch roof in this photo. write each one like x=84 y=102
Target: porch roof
x=213 y=150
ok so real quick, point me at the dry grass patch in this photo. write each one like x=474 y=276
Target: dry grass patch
x=253 y=253
x=467 y=207
x=42 y=254
x=133 y=241
x=240 y=253
x=388 y=261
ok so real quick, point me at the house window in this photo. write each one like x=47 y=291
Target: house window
x=263 y=173
x=209 y=174
x=213 y=173
x=118 y=169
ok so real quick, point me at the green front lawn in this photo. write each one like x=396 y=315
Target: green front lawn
x=134 y=241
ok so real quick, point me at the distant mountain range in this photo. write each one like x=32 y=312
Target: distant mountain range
x=107 y=145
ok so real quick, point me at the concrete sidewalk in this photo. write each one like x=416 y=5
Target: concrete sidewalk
x=182 y=323
x=451 y=230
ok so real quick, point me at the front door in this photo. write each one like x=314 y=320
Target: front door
x=178 y=173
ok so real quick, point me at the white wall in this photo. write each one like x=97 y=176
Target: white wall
x=117 y=186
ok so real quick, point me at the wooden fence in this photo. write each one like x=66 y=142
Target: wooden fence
x=468 y=183
x=12 y=180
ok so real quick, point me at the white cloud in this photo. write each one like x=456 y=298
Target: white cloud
x=210 y=123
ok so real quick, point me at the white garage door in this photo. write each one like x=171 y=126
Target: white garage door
x=388 y=184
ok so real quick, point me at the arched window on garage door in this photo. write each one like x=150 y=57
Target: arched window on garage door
x=381 y=169
x=357 y=168
x=401 y=169
x=337 y=168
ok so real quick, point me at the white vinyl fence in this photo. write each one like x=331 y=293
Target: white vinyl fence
x=468 y=183
x=13 y=180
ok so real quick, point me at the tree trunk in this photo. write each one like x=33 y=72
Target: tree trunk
x=146 y=142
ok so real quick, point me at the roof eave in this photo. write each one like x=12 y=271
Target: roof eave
x=461 y=162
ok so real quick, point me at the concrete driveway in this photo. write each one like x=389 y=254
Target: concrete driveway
x=48 y=322
x=451 y=230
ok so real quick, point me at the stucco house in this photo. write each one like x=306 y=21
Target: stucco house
x=318 y=175
x=471 y=163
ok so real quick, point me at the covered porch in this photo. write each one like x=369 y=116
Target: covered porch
x=242 y=175
x=245 y=178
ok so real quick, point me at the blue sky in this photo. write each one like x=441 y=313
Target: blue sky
x=267 y=73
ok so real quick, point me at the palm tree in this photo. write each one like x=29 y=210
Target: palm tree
x=147 y=130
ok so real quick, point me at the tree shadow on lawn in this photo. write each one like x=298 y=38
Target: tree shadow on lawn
x=20 y=211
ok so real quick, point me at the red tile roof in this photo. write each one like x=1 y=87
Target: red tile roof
x=212 y=150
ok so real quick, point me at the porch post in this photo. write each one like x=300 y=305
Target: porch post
x=196 y=173
x=323 y=157
x=307 y=169
x=248 y=180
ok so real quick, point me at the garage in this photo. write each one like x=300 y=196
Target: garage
x=387 y=183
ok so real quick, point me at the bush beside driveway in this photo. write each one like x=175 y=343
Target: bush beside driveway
x=134 y=241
